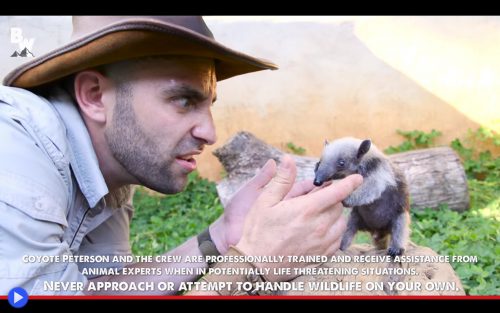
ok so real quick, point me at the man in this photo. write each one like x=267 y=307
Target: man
x=128 y=101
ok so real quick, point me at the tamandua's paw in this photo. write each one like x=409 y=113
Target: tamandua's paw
x=345 y=243
x=395 y=251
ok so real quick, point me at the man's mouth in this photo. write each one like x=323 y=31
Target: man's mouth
x=187 y=161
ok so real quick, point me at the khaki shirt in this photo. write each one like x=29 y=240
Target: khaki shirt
x=51 y=195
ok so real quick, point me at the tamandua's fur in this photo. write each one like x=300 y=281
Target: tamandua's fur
x=381 y=204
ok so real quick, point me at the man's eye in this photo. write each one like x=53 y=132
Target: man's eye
x=183 y=102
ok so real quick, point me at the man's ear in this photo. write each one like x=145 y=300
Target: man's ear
x=89 y=87
x=363 y=148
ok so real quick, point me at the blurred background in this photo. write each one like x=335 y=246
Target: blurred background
x=339 y=76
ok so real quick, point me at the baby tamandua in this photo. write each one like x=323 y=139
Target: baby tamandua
x=381 y=204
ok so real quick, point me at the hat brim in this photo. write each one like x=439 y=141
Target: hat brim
x=127 y=41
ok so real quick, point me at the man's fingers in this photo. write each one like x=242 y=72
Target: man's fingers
x=335 y=212
x=325 y=184
x=335 y=234
x=338 y=228
x=335 y=193
x=281 y=183
x=301 y=188
x=264 y=175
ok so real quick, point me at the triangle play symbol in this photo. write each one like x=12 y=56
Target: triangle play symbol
x=17 y=297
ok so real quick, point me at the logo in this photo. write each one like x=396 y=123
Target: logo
x=25 y=44
x=18 y=297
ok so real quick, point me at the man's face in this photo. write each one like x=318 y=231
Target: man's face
x=162 y=118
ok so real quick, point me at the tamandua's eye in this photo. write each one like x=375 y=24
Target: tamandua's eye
x=341 y=163
x=316 y=167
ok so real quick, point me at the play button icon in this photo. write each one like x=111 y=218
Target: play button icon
x=18 y=297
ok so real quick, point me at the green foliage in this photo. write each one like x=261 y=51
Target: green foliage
x=471 y=233
x=484 y=134
x=161 y=223
x=291 y=147
x=363 y=237
x=479 y=165
x=415 y=139
x=484 y=194
x=223 y=174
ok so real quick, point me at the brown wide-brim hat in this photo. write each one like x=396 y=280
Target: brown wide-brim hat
x=99 y=40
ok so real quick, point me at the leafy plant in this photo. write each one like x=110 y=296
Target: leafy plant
x=223 y=174
x=295 y=149
x=484 y=134
x=463 y=234
x=480 y=165
x=415 y=139
x=161 y=222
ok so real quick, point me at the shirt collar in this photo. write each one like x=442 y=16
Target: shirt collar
x=83 y=159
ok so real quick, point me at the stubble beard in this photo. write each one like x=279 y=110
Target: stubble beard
x=137 y=152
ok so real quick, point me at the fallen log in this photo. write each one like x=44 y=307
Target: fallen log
x=435 y=176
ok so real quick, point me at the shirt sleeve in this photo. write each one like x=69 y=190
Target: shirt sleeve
x=32 y=254
x=33 y=208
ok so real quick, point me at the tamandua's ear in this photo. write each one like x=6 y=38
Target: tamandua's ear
x=363 y=148
x=326 y=142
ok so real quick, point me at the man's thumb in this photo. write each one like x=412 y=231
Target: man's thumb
x=264 y=176
x=281 y=183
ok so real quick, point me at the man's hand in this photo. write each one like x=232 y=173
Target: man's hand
x=310 y=224
x=227 y=229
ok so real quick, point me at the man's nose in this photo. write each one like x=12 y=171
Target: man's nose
x=205 y=128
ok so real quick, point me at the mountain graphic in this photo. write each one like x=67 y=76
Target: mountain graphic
x=24 y=53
